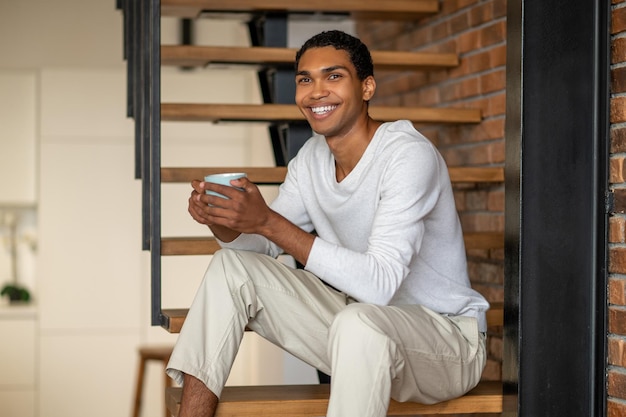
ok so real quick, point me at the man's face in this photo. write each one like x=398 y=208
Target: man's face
x=329 y=92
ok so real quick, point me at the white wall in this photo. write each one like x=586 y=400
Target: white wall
x=92 y=278
x=92 y=282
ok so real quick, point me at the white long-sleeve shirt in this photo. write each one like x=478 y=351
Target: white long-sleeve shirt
x=388 y=233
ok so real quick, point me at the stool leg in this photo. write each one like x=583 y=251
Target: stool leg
x=139 y=387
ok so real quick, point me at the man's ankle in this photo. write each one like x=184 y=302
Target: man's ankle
x=197 y=400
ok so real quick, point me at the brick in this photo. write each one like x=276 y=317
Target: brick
x=618 y=139
x=617 y=291
x=496 y=105
x=496 y=254
x=479 y=255
x=618 y=50
x=479 y=62
x=421 y=37
x=393 y=85
x=468 y=41
x=497 y=56
x=619 y=200
x=614 y=407
x=450 y=92
x=491 y=129
x=477 y=200
x=616 y=383
x=493 y=81
x=459 y=23
x=459 y=201
x=438 y=77
x=431 y=133
x=499 y=8
x=393 y=101
x=423 y=97
x=618 y=20
x=480 y=154
x=486 y=273
x=617 y=260
x=616 y=170
x=617 y=351
x=469 y=87
x=617 y=320
x=618 y=80
x=495 y=200
x=617 y=229
x=385 y=31
x=481 y=14
x=462 y=69
x=485 y=222
x=446 y=46
x=441 y=30
x=404 y=42
x=493 y=34
x=465 y=3
x=496 y=153
x=451 y=6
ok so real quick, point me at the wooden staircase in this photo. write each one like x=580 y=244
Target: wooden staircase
x=145 y=56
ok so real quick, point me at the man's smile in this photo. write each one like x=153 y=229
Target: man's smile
x=320 y=110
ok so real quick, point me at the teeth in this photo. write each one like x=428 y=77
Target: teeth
x=322 y=109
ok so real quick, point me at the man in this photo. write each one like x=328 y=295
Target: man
x=383 y=304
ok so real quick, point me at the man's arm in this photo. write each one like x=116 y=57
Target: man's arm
x=246 y=212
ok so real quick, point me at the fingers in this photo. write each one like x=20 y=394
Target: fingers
x=209 y=209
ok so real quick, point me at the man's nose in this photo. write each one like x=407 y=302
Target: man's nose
x=319 y=90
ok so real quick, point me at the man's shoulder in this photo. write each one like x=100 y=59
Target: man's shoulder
x=402 y=129
x=401 y=135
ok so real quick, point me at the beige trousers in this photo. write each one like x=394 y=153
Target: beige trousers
x=374 y=353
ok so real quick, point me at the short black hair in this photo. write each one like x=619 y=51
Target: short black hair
x=357 y=51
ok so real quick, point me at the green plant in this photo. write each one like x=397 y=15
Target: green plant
x=15 y=293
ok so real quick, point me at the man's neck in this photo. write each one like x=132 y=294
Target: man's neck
x=348 y=150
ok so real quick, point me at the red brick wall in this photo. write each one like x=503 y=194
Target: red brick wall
x=616 y=404
x=475 y=30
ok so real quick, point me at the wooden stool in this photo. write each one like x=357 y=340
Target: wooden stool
x=147 y=353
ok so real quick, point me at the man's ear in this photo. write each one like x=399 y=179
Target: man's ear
x=369 y=87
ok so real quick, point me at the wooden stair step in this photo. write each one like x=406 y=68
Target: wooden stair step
x=195 y=112
x=276 y=175
x=200 y=56
x=173 y=318
x=178 y=246
x=258 y=175
x=358 y=9
x=312 y=400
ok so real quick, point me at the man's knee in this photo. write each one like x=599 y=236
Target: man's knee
x=226 y=266
x=224 y=256
x=354 y=319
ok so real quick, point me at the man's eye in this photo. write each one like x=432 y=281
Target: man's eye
x=334 y=76
x=303 y=80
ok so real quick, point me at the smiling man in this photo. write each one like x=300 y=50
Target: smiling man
x=383 y=303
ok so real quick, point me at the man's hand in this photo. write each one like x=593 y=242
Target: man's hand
x=244 y=211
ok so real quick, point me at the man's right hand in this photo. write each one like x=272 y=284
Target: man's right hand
x=198 y=207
